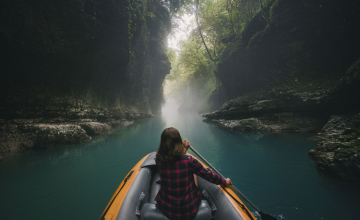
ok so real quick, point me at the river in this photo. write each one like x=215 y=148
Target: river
x=77 y=181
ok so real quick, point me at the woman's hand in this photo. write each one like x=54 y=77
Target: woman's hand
x=228 y=182
x=186 y=144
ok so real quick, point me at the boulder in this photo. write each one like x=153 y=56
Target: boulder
x=48 y=135
x=250 y=124
x=339 y=156
x=336 y=125
x=95 y=128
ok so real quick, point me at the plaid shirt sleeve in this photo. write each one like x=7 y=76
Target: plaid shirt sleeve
x=207 y=174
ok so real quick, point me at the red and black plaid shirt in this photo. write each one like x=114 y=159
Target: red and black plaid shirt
x=178 y=197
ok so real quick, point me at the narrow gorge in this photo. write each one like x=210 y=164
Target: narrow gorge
x=268 y=91
x=75 y=69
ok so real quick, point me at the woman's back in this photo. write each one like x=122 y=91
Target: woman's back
x=179 y=197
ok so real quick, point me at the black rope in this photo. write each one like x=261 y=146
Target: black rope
x=125 y=180
x=241 y=205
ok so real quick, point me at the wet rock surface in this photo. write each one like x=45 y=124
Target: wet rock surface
x=336 y=125
x=58 y=121
x=279 y=122
x=273 y=112
x=95 y=128
x=17 y=137
x=250 y=124
x=47 y=135
x=340 y=155
x=262 y=102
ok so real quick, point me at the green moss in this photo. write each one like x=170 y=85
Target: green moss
x=347 y=153
x=354 y=69
x=267 y=3
x=266 y=9
x=258 y=34
x=231 y=48
x=271 y=12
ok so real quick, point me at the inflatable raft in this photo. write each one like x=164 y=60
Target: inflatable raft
x=134 y=199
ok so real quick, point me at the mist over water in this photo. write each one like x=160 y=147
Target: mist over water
x=170 y=112
x=77 y=181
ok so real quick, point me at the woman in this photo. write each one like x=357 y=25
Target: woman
x=179 y=197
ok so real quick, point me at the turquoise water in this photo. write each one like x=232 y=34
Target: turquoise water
x=77 y=181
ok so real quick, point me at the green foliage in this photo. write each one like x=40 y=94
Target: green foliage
x=257 y=34
x=192 y=76
x=220 y=21
x=171 y=54
x=240 y=13
x=130 y=9
x=151 y=15
x=137 y=13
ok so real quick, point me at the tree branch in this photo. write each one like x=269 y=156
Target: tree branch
x=202 y=38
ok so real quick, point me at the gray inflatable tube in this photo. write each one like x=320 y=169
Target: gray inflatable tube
x=139 y=203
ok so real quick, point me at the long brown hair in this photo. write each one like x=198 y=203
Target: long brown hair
x=171 y=146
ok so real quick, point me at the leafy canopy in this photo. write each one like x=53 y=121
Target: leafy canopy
x=218 y=22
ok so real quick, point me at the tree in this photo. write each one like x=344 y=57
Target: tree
x=192 y=76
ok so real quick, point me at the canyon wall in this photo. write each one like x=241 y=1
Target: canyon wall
x=295 y=68
x=68 y=66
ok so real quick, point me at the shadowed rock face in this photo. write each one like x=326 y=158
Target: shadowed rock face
x=83 y=50
x=76 y=61
x=340 y=155
x=293 y=60
x=301 y=45
x=336 y=125
x=296 y=68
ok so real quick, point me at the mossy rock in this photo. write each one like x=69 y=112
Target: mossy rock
x=354 y=69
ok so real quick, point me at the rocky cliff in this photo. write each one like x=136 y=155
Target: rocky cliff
x=294 y=68
x=73 y=68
